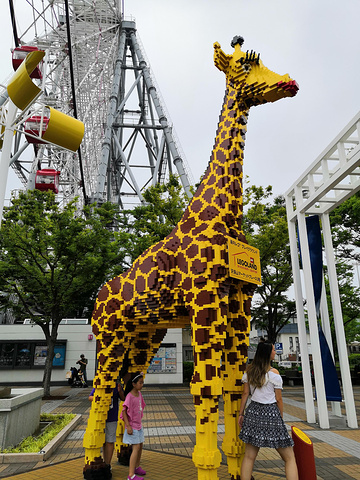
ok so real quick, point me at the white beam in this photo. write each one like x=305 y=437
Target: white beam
x=6 y=152
x=325 y=323
x=333 y=165
x=339 y=325
x=305 y=361
x=313 y=325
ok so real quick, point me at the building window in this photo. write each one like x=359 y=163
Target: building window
x=291 y=344
x=7 y=354
x=29 y=354
x=297 y=344
x=23 y=355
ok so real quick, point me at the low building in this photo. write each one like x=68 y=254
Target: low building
x=288 y=337
x=23 y=352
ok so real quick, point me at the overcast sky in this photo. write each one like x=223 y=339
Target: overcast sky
x=315 y=42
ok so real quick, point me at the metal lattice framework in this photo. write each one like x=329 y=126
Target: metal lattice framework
x=92 y=40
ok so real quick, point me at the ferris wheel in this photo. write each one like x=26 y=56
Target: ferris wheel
x=94 y=69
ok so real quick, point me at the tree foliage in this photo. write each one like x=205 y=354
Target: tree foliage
x=147 y=224
x=265 y=227
x=350 y=302
x=345 y=228
x=53 y=261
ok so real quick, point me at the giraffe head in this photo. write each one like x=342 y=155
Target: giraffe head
x=246 y=73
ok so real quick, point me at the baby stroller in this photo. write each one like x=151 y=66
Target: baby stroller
x=76 y=379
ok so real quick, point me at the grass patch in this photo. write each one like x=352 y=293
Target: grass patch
x=33 y=444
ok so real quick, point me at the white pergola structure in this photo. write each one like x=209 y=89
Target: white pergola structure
x=331 y=179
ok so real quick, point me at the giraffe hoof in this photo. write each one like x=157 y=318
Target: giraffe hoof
x=98 y=472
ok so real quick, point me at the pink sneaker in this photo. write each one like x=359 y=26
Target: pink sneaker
x=140 y=471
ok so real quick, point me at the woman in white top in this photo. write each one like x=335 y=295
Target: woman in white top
x=262 y=425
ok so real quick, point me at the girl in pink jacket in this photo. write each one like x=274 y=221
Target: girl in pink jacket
x=132 y=413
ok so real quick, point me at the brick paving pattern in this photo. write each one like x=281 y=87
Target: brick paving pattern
x=169 y=423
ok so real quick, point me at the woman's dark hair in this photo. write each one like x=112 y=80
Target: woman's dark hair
x=135 y=377
x=258 y=368
x=125 y=366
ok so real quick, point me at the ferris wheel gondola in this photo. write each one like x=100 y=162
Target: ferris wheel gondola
x=34 y=128
x=18 y=56
x=47 y=179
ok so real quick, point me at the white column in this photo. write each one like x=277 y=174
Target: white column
x=325 y=322
x=313 y=326
x=6 y=153
x=305 y=362
x=339 y=325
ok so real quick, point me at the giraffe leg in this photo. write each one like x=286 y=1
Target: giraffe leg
x=109 y=363
x=123 y=451
x=208 y=325
x=234 y=364
x=206 y=455
x=144 y=347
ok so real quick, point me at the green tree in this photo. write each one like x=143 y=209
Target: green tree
x=53 y=261
x=147 y=224
x=345 y=229
x=265 y=227
x=350 y=302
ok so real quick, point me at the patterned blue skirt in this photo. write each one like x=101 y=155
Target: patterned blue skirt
x=264 y=427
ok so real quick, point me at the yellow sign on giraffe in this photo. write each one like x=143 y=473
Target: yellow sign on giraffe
x=244 y=262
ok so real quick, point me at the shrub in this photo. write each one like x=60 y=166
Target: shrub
x=35 y=444
x=188 y=371
x=354 y=359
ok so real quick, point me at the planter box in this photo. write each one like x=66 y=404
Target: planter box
x=19 y=415
x=46 y=452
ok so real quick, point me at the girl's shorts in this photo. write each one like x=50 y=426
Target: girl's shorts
x=135 y=438
x=110 y=432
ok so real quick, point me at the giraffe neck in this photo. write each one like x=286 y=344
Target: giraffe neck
x=217 y=204
x=230 y=136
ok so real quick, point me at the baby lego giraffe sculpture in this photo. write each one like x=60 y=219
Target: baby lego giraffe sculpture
x=184 y=279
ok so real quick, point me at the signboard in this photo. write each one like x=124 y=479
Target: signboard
x=279 y=348
x=164 y=360
x=59 y=357
x=244 y=262
x=41 y=352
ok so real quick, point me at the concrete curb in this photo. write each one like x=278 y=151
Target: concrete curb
x=46 y=452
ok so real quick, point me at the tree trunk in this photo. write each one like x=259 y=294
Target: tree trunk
x=50 y=342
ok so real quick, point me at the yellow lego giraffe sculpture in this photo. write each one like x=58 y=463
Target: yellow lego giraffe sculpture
x=184 y=279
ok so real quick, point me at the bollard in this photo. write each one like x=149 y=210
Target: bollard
x=304 y=455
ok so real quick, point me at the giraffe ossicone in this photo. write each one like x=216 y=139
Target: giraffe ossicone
x=184 y=279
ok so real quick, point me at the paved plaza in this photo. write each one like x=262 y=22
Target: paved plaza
x=169 y=423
